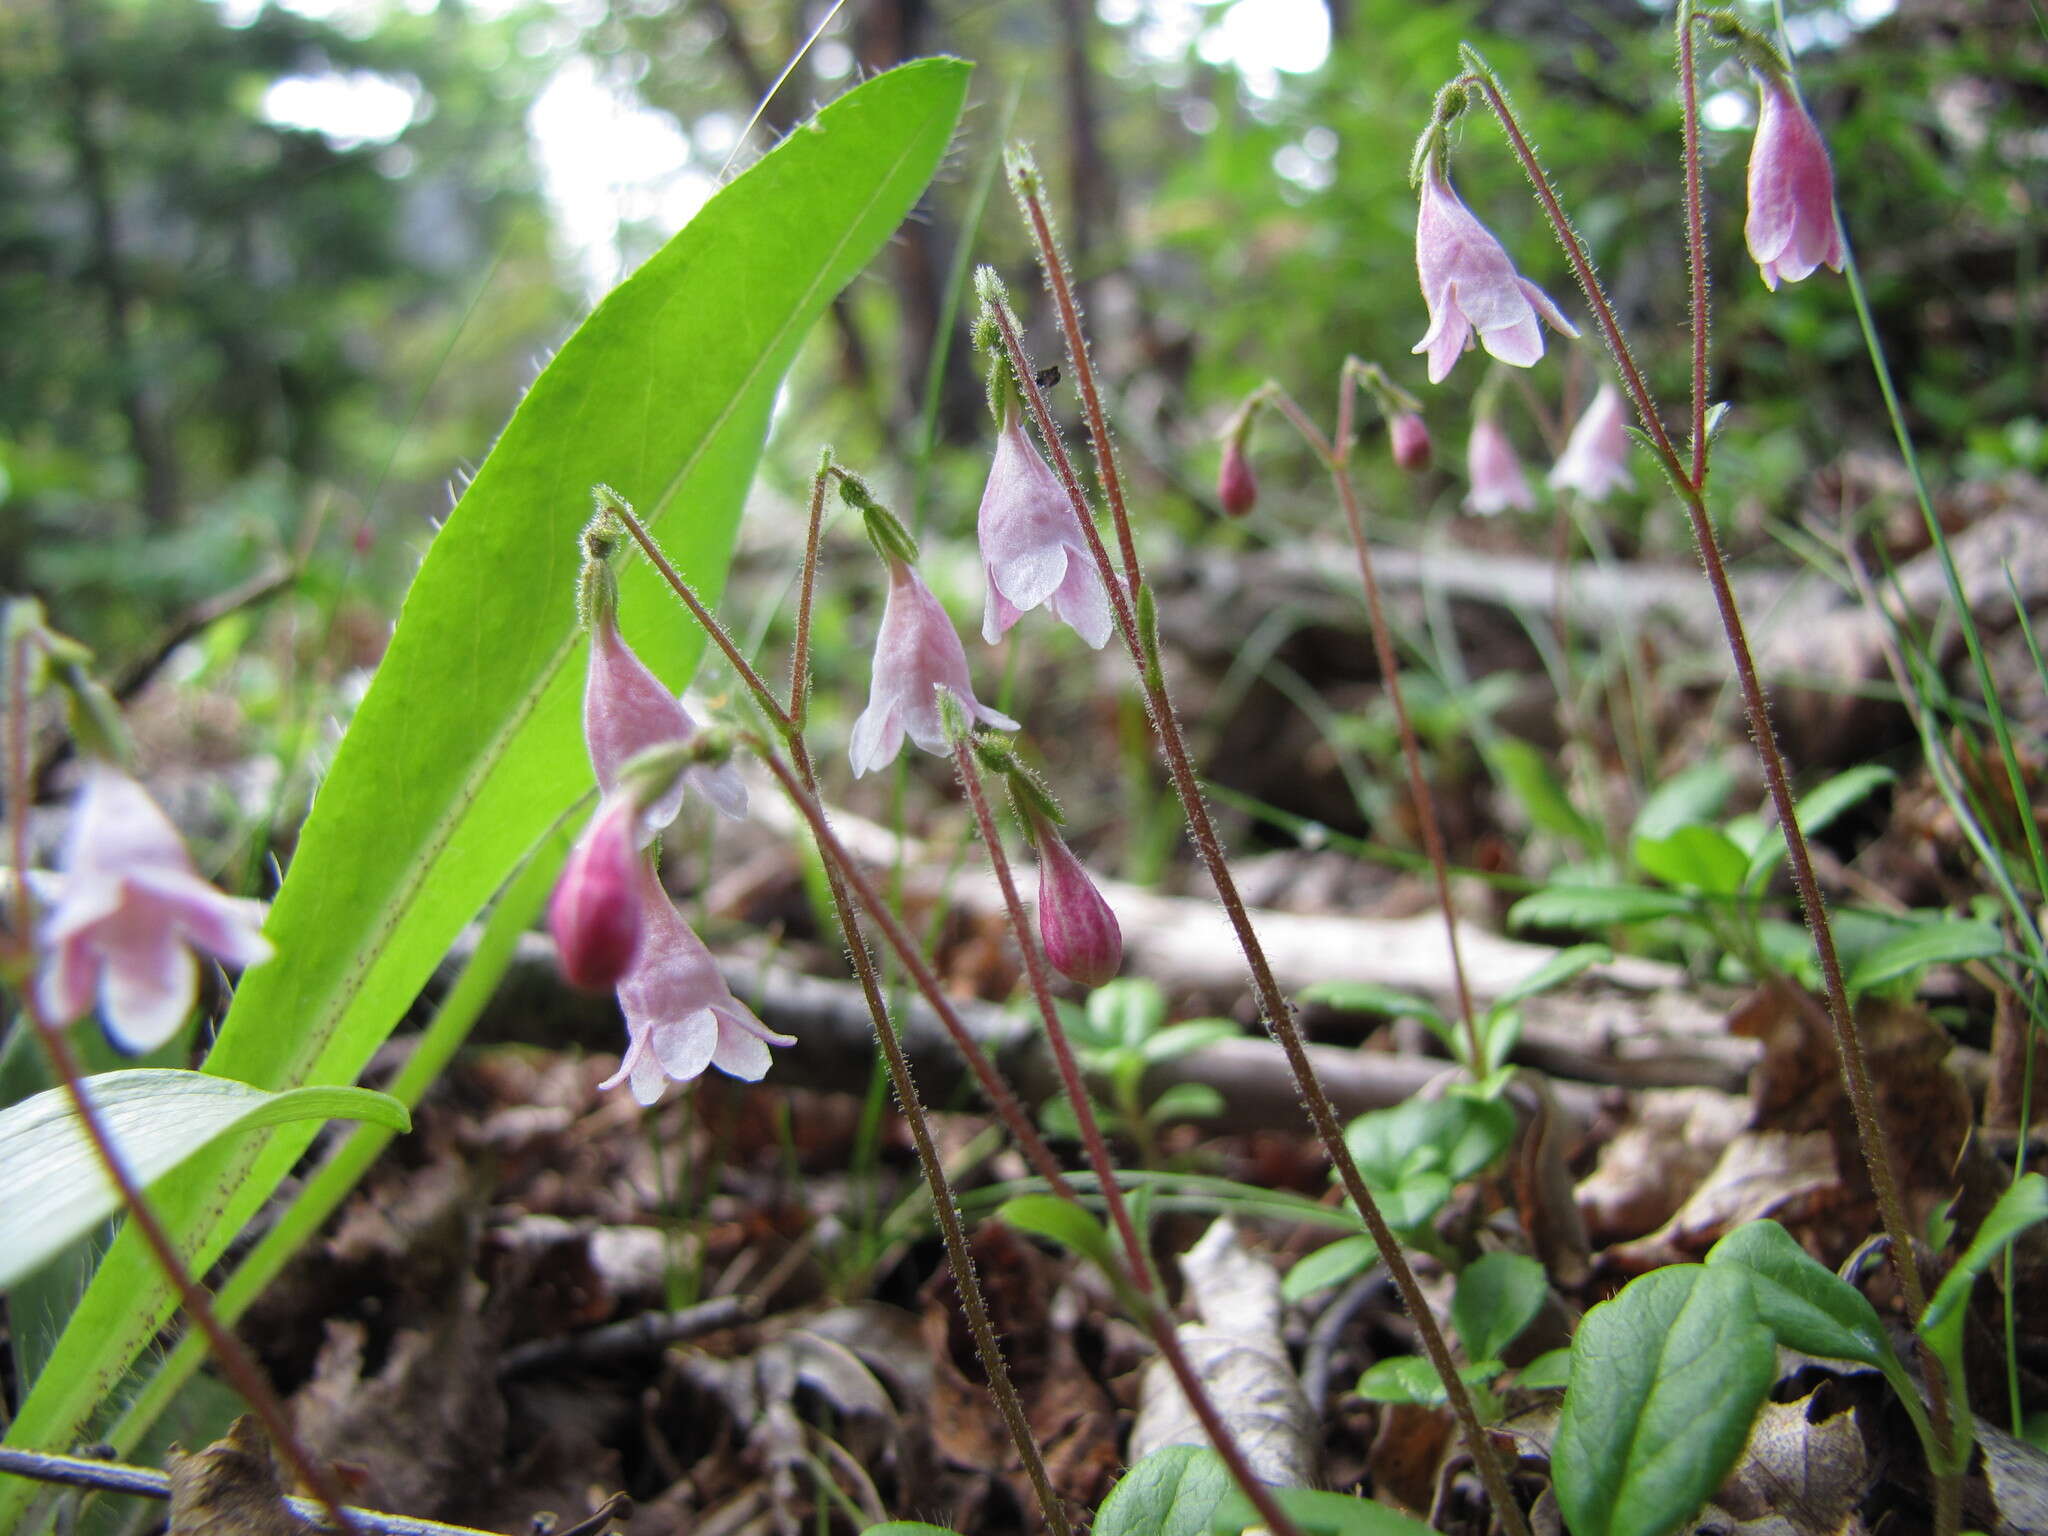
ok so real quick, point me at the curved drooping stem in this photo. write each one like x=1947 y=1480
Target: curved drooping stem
x=1127 y=607
x=1152 y=1311
x=1689 y=485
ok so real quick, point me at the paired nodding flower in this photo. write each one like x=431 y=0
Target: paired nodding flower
x=917 y=652
x=131 y=912
x=1595 y=458
x=1033 y=548
x=1495 y=470
x=1791 y=224
x=1471 y=287
x=627 y=709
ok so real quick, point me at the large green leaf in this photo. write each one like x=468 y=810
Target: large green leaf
x=466 y=747
x=1806 y=1305
x=1665 y=1381
x=1172 y=1492
x=53 y=1187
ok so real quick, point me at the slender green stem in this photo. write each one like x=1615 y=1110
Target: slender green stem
x=1136 y=1261
x=1430 y=823
x=234 y=1359
x=1273 y=1008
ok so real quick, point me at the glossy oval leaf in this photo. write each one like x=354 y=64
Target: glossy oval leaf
x=1371 y=997
x=1554 y=972
x=53 y=1187
x=1703 y=859
x=1172 y=1492
x=1939 y=941
x=1062 y=1222
x=1331 y=1264
x=466 y=747
x=1665 y=1381
x=1806 y=1305
x=1498 y=1295
x=1690 y=796
x=2023 y=1205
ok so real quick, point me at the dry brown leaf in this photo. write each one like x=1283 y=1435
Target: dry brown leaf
x=231 y=1488
x=1798 y=1476
x=1237 y=1351
x=1649 y=1166
x=1760 y=1173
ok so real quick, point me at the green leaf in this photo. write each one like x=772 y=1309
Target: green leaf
x=1371 y=997
x=1826 y=801
x=1690 y=798
x=1331 y=1264
x=1665 y=1381
x=53 y=1188
x=1805 y=1304
x=1703 y=859
x=1185 y=1101
x=1557 y=970
x=1318 y=1514
x=1172 y=1492
x=1060 y=1221
x=1127 y=1011
x=1527 y=775
x=1942 y=941
x=1498 y=1295
x=908 y=1528
x=1177 y=1040
x=1412 y=1154
x=1550 y=1369
x=466 y=747
x=1594 y=906
x=2020 y=1207
x=1412 y=1379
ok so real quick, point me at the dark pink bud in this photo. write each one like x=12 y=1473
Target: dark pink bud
x=1235 y=487
x=1409 y=438
x=595 y=913
x=1082 y=939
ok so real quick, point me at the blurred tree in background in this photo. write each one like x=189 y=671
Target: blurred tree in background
x=230 y=323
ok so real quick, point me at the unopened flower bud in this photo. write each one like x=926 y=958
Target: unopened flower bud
x=595 y=913
x=1409 y=438
x=1235 y=487
x=1080 y=932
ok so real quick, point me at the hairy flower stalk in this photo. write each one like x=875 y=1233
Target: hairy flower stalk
x=1495 y=469
x=1141 y=642
x=131 y=913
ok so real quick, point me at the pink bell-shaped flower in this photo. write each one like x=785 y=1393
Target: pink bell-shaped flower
x=681 y=1017
x=1791 y=224
x=917 y=652
x=1408 y=437
x=1470 y=286
x=1595 y=458
x=1081 y=935
x=1236 y=489
x=1032 y=545
x=1498 y=483
x=627 y=709
x=131 y=912
x=595 y=912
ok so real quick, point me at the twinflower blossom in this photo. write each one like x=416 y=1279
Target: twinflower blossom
x=681 y=1017
x=1470 y=286
x=627 y=709
x=1595 y=457
x=1791 y=224
x=1495 y=471
x=917 y=652
x=131 y=912
x=596 y=913
x=1032 y=545
x=1081 y=935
